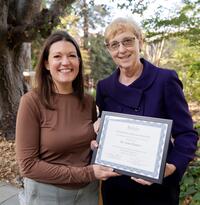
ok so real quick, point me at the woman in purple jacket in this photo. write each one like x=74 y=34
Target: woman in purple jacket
x=137 y=87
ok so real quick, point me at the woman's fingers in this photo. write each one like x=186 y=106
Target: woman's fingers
x=96 y=125
x=169 y=169
x=142 y=181
x=103 y=173
x=93 y=145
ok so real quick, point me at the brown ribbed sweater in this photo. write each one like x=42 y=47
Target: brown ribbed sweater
x=53 y=146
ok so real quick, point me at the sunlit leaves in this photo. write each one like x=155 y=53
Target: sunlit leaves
x=182 y=21
x=136 y=6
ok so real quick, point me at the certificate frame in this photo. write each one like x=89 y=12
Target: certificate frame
x=140 y=152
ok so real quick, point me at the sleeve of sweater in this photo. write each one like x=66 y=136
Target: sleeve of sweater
x=27 y=150
x=185 y=137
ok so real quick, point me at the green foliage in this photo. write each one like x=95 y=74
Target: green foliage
x=101 y=62
x=190 y=184
x=70 y=24
x=183 y=21
x=136 y=6
x=191 y=81
x=185 y=59
x=197 y=127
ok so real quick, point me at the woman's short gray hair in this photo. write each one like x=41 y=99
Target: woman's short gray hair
x=120 y=25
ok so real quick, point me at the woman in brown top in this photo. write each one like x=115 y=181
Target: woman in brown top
x=54 y=130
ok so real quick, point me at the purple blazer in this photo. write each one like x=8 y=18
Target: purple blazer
x=157 y=93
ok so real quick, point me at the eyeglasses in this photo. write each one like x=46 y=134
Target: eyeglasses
x=126 y=42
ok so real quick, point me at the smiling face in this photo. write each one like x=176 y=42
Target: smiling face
x=63 y=64
x=127 y=54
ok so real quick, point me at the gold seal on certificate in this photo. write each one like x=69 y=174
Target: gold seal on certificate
x=133 y=145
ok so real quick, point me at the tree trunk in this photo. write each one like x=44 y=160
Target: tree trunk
x=13 y=63
x=85 y=24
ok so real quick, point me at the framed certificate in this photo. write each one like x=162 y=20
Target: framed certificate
x=133 y=145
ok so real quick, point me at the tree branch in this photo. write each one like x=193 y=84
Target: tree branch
x=41 y=25
x=26 y=9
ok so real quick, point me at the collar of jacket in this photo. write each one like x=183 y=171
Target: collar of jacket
x=131 y=95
